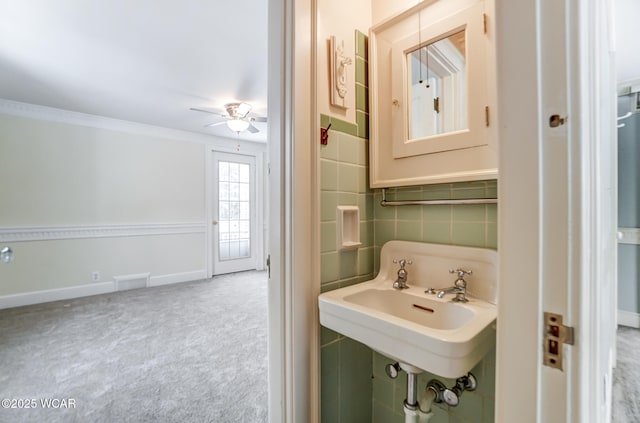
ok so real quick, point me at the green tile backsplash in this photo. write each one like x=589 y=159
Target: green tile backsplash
x=355 y=387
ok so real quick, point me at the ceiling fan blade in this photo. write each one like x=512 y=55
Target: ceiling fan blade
x=252 y=129
x=215 y=124
x=195 y=109
x=258 y=119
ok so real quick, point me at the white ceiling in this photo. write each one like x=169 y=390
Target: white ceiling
x=149 y=61
x=144 y=61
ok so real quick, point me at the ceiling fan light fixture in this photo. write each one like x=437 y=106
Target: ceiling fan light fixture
x=237 y=125
x=243 y=109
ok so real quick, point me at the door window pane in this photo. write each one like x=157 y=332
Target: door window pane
x=244 y=192
x=234 y=191
x=234 y=172
x=244 y=173
x=234 y=205
x=244 y=210
x=224 y=210
x=223 y=191
x=223 y=171
x=234 y=210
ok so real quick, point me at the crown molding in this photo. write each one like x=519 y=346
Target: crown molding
x=51 y=114
x=49 y=233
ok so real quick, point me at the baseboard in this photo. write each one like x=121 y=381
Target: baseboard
x=45 y=296
x=629 y=318
x=177 y=278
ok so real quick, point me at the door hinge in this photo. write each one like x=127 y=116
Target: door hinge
x=269 y=266
x=556 y=335
x=484 y=22
x=486 y=116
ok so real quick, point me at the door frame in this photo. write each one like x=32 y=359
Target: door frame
x=260 y=186
x=294 y=390
x=294 y=222
x=526 y=390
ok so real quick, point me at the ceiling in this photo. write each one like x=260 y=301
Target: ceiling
x=145 y=61
x=150 y=61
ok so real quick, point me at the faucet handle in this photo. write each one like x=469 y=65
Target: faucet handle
x=461 y=273
x=402 y=262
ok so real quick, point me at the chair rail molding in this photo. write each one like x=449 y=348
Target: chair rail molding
x=48 y=233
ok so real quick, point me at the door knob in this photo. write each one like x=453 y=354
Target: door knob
x=215 y=222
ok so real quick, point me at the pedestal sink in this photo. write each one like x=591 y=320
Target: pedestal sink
x=418 y=329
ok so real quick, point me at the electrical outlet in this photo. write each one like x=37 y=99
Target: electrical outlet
x=95 y=276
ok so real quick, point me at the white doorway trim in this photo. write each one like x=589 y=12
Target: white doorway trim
x=259 y=155
x=293 y=220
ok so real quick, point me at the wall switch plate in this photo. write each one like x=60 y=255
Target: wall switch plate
x=95 y=276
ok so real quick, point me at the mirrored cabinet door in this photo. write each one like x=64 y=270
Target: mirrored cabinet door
x=432 y=74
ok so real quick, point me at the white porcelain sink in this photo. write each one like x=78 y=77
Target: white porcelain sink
x=442 y=337
x=417 y=309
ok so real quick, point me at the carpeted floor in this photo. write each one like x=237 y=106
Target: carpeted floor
x=626 y=377
x=191 y=352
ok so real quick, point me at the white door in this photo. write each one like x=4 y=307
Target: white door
x=234 y=213
x=557 y=209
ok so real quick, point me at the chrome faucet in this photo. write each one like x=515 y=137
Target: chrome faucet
x=401 y=282
x=459 y=288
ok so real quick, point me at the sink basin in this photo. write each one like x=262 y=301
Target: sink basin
x=419 y=310
x=434 y=334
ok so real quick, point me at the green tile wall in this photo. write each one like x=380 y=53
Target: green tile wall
x=474 y=407
x=345 y=364
x=354 y=386
x=362 y=85
x=467 y=225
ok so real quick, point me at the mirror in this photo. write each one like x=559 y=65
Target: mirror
x=437 y=87
x=441 y=133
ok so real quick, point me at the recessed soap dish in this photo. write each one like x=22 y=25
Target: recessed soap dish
x=347 y=227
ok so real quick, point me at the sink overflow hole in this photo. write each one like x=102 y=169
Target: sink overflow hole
x=430 y=310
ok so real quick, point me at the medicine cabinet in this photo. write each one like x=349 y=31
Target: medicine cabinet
x=432 y=92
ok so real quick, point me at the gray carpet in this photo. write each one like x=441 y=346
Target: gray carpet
x=626 y=377
x=191 y=352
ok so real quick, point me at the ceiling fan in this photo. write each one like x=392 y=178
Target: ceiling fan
x=237 y=117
